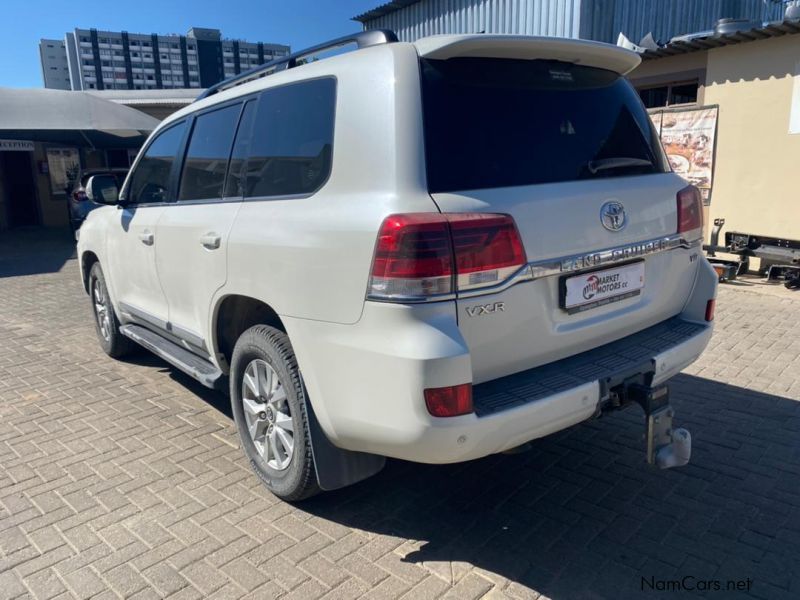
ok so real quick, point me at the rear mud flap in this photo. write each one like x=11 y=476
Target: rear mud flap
x=337 y=468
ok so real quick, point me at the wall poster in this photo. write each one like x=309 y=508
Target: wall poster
x=689 y=140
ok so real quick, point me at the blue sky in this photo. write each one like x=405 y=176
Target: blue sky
x=299 y=23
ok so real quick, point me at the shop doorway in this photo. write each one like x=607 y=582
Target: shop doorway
x=19 y=188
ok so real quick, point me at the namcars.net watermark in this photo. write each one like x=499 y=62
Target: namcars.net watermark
x=690 y=583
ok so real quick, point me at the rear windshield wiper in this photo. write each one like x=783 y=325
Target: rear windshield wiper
x=620 y=162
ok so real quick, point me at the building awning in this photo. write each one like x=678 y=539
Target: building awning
x=687 y=44
x=71 y=117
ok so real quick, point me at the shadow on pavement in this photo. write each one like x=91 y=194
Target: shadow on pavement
x=582 y=516
x=33 y=250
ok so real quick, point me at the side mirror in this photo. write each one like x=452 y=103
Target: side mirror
x=102 y=189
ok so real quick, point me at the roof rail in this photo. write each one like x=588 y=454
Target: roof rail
x=362 y=39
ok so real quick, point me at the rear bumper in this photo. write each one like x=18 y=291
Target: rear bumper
x=366 y=380
x=529 y=405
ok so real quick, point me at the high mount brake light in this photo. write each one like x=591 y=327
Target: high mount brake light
x=690 y=209
x=420 y=256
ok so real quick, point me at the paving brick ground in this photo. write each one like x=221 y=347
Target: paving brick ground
x=123 y=479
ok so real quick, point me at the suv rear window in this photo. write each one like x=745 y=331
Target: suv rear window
x=506 y=122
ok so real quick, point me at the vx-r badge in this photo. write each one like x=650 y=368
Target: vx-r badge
x=486 y=309
x=612 y=216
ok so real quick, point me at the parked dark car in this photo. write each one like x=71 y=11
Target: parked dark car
x=79 y=202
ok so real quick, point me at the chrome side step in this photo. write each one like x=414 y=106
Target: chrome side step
x=191 y=364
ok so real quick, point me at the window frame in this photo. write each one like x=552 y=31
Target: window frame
x=325 y=181
x=669 y=87
x=241 y=101
x=171 y=189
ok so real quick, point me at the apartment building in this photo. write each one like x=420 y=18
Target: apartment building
x=118 y=60
x=55 y=68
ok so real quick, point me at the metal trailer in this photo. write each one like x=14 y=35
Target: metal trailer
x=780 y=257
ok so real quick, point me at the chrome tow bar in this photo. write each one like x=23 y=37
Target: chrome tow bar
x=666 y=447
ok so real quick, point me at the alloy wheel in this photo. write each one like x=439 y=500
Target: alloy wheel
x=267 y=414
x=101 y=310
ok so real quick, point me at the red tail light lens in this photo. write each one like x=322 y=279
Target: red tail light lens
x=423 y=255
x=413 y=257
x=487 y=247
x=690 y=209
x=711 y=306
x=449 y=401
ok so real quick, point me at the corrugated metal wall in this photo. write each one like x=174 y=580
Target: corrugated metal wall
x=601 y=20
x=531 y=17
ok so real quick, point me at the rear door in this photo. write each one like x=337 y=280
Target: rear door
x=570 y=153
x=193 y=231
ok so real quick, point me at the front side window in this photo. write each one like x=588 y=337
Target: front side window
x=207 y=155
x=150 y=180
x=291 y=151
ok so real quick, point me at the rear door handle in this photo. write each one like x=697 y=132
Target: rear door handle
x=147 y=237
x=211 y=240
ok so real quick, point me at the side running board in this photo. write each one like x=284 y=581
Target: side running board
x=191 y=364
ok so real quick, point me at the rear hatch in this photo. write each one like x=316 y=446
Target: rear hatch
x=566 y=148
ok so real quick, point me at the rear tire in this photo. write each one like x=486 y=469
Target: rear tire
x=106 y=324
x=268 y=400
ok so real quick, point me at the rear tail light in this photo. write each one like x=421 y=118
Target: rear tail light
x=449 y=401
x=79 y=195
x=419 y=256
x=413 y=257
x=711 y=306
x=690 y=209
x=487 y=248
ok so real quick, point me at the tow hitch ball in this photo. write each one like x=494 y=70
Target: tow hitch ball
x=666 y=447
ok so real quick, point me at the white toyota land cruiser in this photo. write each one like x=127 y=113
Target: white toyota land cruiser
x=433 y=251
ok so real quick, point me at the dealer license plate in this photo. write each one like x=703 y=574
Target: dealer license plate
x=599 y=288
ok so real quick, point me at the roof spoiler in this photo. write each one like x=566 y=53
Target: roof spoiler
x=581 y=52
x=363 y=39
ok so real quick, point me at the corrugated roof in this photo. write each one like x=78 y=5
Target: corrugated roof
x=383 y=9
x=698 y=44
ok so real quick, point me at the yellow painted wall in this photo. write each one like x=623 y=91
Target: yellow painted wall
x=757 y=162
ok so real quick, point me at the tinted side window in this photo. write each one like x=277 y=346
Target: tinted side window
x=292 y=139
x=235 y=184
x=150 y=181
x=207 y=155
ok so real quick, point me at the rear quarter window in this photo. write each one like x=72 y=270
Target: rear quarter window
x=292 y=141
x=506 y=122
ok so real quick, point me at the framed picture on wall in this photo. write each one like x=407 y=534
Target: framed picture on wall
x=64 y=165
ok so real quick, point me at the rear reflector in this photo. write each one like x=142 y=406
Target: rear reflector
x=419 y=256
x=449 y=401
x=711 y=306
x=690 y=209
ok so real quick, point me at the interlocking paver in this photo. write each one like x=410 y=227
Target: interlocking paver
x=124 y=479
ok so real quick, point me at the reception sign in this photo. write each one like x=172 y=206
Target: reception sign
x=16 y=145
